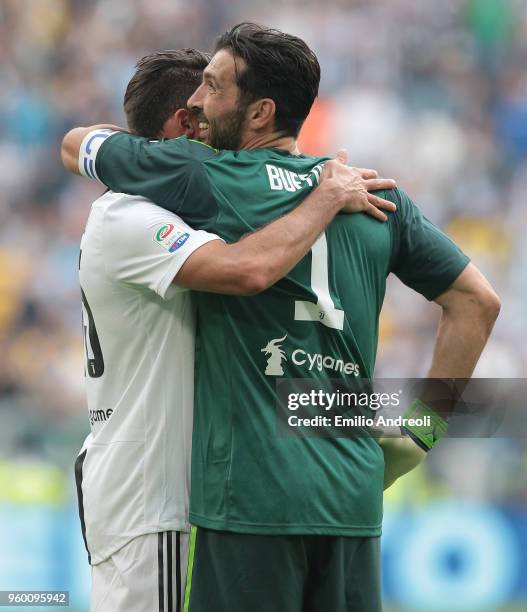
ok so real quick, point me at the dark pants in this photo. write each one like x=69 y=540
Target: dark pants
x=233 y=572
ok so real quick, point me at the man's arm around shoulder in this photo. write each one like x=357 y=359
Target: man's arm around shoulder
x=260 y=259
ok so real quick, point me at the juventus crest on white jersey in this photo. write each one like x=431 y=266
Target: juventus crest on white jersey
x=133 y=470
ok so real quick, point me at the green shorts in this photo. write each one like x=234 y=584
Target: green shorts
x=234 y=572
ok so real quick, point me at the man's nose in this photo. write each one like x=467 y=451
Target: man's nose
x=194 y=102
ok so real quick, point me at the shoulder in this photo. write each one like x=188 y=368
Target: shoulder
x=399 y=197
x=406 y=207
x=198 y=150
x=181 y=149
x=129 y=223
x=129 y=212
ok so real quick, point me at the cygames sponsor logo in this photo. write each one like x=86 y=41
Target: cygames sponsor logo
x=310 y=361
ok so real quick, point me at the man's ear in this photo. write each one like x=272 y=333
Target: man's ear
x=178 y=124
x=261 y=114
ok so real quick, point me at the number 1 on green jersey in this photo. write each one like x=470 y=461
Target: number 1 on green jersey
x=324 y=310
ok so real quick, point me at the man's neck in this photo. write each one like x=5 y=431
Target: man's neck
x=271 y=141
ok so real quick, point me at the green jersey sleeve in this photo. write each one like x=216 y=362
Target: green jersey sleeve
x=423 y=257
x=168 y=172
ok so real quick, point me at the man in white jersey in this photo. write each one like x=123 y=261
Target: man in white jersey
x=136 y=261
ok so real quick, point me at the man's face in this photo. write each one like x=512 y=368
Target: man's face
x=216 y=103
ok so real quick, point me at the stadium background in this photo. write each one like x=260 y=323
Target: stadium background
x=431 y=93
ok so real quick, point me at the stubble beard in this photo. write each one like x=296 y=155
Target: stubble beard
x=227 y=131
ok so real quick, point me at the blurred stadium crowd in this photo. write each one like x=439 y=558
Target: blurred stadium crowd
x=433 y=94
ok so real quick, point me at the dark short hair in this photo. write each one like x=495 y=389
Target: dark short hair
x=162 y=83
x=279 y=66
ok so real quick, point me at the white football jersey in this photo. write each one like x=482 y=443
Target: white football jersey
x=134 y=468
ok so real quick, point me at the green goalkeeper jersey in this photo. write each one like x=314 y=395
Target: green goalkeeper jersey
x=319 y=322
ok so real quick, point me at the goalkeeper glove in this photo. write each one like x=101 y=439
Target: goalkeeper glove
x=401 y=455
x=423 y=428
x=424 y=425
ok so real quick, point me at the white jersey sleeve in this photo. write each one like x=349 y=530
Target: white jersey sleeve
x=145 y=245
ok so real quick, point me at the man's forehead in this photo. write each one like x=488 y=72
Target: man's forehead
x=224 y=65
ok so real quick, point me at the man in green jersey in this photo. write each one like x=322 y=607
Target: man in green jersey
x=134 y=314
x=287 y=524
